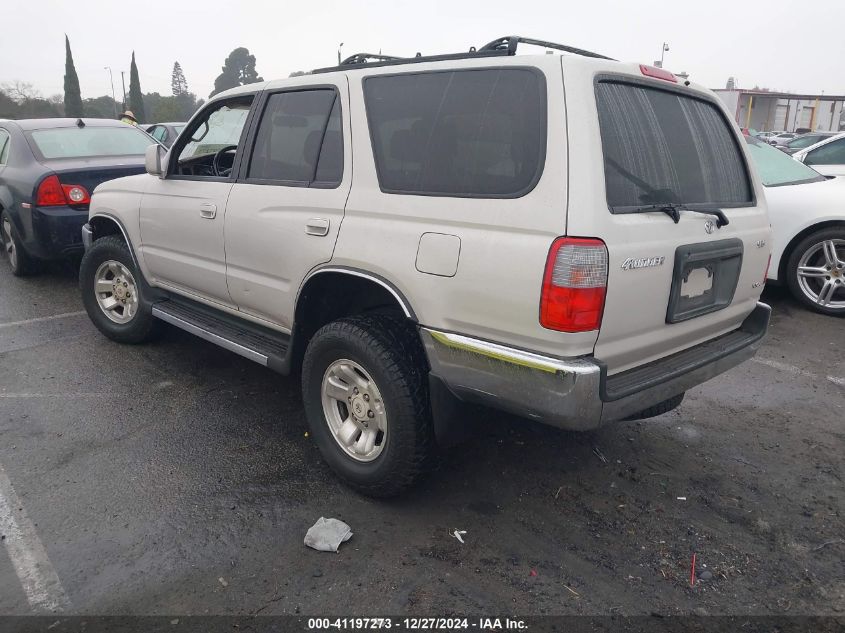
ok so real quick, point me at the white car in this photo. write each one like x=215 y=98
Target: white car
x=781 y=138
x=807 y=212
x=826 y=157
x=569 y=238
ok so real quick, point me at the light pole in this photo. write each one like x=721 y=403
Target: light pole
x=111 y=80
x=123 y=83
x=338 y=53
x=663 y=50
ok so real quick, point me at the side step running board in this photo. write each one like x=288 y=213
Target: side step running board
x=259 y=344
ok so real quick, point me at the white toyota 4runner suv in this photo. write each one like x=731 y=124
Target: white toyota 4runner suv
x=565 y=237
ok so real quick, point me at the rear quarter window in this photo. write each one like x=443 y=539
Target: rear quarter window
x=662 y=146
x=464 y=133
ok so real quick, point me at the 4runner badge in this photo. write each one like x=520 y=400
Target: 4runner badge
x=642 y=262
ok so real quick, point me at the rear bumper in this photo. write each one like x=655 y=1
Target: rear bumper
x=55 y=231
x=577 y=394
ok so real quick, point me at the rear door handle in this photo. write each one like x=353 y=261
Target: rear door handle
x=317 y=226
x=208 y=210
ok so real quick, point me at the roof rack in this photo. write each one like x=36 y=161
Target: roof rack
x=510 y=42
x=501 y=47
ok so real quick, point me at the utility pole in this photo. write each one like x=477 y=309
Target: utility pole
x=124 y=90
x=111 y=80
x=338 y=53
x=663 y=50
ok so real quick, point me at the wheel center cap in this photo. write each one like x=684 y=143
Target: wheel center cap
x=120 y=292
x=359 y=408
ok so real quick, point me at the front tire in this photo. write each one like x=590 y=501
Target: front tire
x=365 y=389
x=111 y=293
x=21 y=262
x=816 y=271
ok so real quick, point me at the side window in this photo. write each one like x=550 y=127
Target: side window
x=5 y=142
x=299 y=140
x=209 y=149
x=468 y=133
x=159 y=133
x=831 y=154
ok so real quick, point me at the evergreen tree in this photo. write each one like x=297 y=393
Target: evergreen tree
x=178 y=83
x=238 y=70
x=136 y=97
x=73 y=98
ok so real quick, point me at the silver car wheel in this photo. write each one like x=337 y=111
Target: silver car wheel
x=821 y=274
x=116 y=291
x=354 y=410
x=9 y=243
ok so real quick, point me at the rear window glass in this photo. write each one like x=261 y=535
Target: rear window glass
x=664 y=147
x=470 y=133
x=76 y=142
x=776 y=168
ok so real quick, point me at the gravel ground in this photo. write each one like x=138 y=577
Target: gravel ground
x=177 y=478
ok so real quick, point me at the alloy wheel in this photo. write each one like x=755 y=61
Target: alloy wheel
x=354 y=410
x=116 y=291
x=821 y=274
x=9 y=243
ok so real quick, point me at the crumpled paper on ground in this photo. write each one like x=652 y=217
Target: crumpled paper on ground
x=326 y=535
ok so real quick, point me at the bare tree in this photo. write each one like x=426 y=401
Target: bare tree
x=20 y=91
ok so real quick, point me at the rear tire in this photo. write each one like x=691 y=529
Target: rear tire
x=21 y=262
x=821 y=255
x=111 y=293
x=366 y=365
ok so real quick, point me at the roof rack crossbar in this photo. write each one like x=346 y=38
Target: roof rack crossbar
x=504 y=46
x=363 y=58
x=510 y=42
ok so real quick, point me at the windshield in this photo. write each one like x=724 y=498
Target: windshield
x=777 y=169
x=805 y=141
x=82 y=142
x=222 y=129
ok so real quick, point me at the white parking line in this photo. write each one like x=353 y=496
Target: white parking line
x=39 y=580
x=55 y=395
x=797 y=371
x=42 y=319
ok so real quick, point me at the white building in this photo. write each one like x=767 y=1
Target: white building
x=763 y=110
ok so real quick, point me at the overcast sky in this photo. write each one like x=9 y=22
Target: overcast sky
x=797 y=46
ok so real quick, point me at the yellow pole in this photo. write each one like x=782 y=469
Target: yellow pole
x=813 y=118
x=748 y=114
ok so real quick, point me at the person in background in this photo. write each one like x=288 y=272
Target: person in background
x=128 y=117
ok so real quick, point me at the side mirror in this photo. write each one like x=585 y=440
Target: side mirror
x=153 y=159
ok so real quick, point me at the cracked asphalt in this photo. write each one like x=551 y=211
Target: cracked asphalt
x=177 y=478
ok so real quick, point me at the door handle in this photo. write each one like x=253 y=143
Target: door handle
x=317 y=226
x=208 y=210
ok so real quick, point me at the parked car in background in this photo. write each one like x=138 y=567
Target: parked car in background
x=807 y=212
x=165 y=133
x=48 y=170
x=803 y=141
x=410 y=233
x=826 y=157
x=781 y=138
x=765 y=135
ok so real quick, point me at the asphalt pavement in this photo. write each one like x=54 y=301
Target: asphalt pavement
x=178 y=478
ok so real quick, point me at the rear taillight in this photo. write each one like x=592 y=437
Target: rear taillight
x=574 y=285
x=52 y=193
x=76 y=194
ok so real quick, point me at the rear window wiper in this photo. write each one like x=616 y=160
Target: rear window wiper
x=674 y=211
